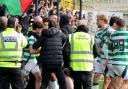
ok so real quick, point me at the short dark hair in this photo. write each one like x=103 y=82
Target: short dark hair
x=64 y=20
x=11 y=22
x=113 y=20
x=38 y=24
x=45 y=19
x=51 y=12
x=120 y=22
x=82 y=28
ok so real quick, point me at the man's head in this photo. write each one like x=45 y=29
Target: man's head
x=64 y=20
x=82 y=28
x=52 y=24
x=13 y=22
x=45 y=23
x=3 y=22
x=120 y=23
x=77 y=14
x=102 y=20
x=54 y=18
x=116 y=22
x=37 y=27
x=38 y=18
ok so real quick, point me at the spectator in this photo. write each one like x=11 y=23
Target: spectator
x=65 y=25
x=51 y=56
x=3 y=23
x=38 y=18
x=67 y=29
x=31 y=82
x=54 y=18
x=30 y=59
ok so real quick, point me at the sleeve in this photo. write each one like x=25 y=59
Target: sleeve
x=108 y=45
x=66 y=53
x=38 y=43
x=23 y=41
x=31 y=41
x=106 y=50
x=64 y=31
x=92 y=40
x=111 y=36
x=97 y=40
x=94 y=51
x=64 y=38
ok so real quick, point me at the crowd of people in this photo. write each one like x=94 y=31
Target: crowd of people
x=47 y=51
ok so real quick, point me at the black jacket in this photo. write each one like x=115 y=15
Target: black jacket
x=67 y=29
x=51 y=43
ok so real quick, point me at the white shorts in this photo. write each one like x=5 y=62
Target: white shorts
x=99 y=67
x=31 y=66
x=110 y=71
x=118 y=70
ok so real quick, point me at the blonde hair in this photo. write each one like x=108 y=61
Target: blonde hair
x=102 y=17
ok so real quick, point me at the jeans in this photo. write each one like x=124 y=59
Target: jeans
x=46 y=75
x=10 y=76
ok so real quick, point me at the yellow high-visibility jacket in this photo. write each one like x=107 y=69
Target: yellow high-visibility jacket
x=11 y=44
x=81 y=56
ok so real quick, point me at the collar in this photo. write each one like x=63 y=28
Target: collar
x=10 y=29
x=105 y=26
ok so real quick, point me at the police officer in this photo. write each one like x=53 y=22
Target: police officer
x=11 y=44
x=81 y=57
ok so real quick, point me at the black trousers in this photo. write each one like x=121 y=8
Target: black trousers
x=46 y=75
x=10 y=76
x=82 y=80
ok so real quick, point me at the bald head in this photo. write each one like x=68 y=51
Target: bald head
x=3 y=22
x=38 y=19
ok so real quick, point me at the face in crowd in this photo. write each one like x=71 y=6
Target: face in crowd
x=101 y=20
